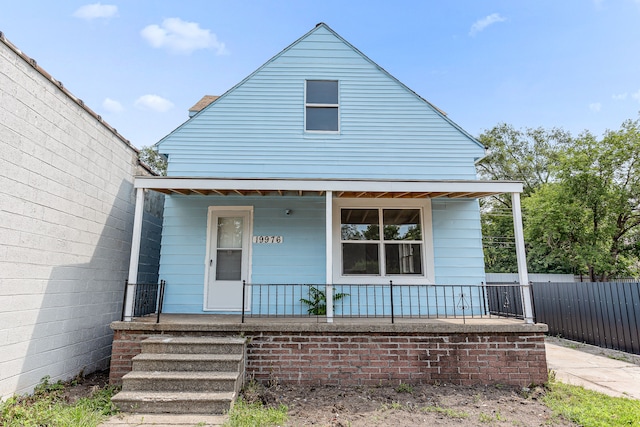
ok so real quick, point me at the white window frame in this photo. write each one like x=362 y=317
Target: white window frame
x=428 y=274
x=310 y=105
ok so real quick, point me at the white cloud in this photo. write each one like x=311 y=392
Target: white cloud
x=636 y=96
x=595 y=107
x=182 y=37
x=483 y=23
x=619 y=96
x=96 y=10
x=112 y=106
x=154 y=103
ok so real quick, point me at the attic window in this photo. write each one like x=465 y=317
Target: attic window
x=321 y=106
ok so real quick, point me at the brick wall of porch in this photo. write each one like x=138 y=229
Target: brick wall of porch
x=348 y=354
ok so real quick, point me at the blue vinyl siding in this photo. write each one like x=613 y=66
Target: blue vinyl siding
x=299 y=259
x=457 y=242
x=257 y=128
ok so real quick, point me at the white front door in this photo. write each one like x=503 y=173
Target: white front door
x=228 y=258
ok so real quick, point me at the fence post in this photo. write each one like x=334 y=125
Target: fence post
x=160 y=300
x=244 y=285
x=124 y=299
x=391 y=295
x=484 y=297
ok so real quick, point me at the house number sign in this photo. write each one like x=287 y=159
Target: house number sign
x=267 y=239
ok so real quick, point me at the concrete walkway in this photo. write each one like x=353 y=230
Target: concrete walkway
x=593 y=371
x=164 y=420
x=572 y=363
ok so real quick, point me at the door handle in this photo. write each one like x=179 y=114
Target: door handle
x=210 y=262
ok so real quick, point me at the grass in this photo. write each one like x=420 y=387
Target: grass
x=487 y=418
x=404 y=388
x=588 y=408
x=395 y=406
x=447 y=412
x=245 y=414
x=47 y=407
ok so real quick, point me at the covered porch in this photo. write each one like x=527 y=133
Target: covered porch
x=384 y=331
x=374 y=297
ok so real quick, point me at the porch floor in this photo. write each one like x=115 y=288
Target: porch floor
x=228 y=323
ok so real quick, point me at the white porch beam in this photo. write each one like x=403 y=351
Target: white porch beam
x=521 y=256
x=329 y=254
x=135 y=255
x=316 y=185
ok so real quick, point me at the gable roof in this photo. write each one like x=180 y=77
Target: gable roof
x=439 y=112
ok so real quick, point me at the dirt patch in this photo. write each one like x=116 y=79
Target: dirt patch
x=85 y=386
x=405 y=405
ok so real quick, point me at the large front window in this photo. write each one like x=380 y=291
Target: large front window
x=381 y=241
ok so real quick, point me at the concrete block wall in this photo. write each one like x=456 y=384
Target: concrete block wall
x=66 y=216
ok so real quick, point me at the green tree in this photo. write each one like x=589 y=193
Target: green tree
x=515 y=155
x=589 y=217
x=156 y=161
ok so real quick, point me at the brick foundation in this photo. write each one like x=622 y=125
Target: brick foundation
x=374 y=359
x=334 y=355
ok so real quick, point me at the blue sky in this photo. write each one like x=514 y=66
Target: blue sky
x=141 y=64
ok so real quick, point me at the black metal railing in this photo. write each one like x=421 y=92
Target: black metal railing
x=393 y=301
x=148 y=299
x=505 y=300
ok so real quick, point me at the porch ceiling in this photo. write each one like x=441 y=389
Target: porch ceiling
x=318 y=187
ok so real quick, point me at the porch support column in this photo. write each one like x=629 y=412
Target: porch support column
x=521 y=255
x=135 y=255
x=329 y=254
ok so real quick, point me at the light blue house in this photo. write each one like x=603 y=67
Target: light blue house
x=320 y=168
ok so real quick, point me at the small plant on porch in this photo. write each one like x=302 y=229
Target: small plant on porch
x=317 y=301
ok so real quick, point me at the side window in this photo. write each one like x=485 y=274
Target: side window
x=321 y=106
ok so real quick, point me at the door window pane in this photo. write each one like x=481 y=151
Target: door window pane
x=230 y=232
x=360 y=258
x=402 y=224
x=360 y=224
x=403 y=258
x=228 y=264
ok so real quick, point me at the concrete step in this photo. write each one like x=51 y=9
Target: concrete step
x=187 y=362
x=180 y=381
x=173 y=403
x=193 y=345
